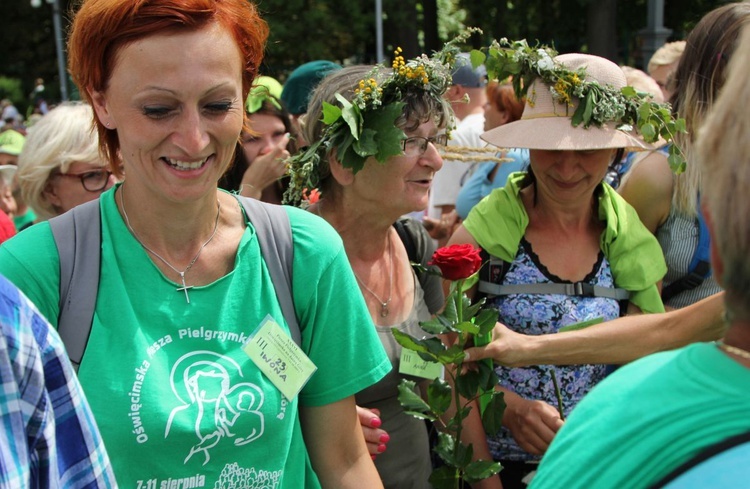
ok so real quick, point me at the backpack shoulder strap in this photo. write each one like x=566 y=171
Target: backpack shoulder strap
x=77 y=235
x=580 y=289
x=490 y=275
x=700 y=264
x=491 y=284
x=274 y=233
x=704 y=455
x=420 y=247
x=408 y=240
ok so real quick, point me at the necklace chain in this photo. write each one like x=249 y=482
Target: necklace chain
x=383 y=304
x=184 y=287
x=733 y=350
x=384 y=311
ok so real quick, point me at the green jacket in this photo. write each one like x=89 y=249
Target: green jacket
x=499 y=221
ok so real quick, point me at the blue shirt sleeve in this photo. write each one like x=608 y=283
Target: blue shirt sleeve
x=478 y=186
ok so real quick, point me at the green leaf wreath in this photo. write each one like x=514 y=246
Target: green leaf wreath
x=365 y=127
x=598 y=105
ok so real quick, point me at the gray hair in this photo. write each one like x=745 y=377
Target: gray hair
x=419 y=107
x=63 y=136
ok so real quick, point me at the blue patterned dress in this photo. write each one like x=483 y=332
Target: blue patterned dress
x=545 y=314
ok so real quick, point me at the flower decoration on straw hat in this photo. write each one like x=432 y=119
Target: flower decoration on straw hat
x=598 y=105
x=365 y=127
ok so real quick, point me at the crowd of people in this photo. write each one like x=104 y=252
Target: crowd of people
x=220 y=339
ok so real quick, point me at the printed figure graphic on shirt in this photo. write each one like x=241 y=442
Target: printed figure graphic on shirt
x=214 y=404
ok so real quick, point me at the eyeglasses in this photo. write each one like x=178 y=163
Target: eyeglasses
x=92 y=181
x=416 y=146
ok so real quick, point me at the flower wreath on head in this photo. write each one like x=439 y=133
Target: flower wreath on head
x=365 y=127
x=598 y=105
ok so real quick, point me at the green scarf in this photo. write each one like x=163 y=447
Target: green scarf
x=499 y=221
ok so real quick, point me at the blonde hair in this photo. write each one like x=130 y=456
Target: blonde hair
x=724 y=151
x=666 y=55
x=641 y=81
x=697 y=81
x=63 y=136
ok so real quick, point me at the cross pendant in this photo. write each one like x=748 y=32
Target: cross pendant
x=184 y=287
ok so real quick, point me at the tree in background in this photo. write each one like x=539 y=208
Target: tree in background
x=304 y=30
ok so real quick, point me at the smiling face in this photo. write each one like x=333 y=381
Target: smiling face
x=175 y=101
x=66 y=192
x=567 y=177
x=403 y=182
x=269 y=131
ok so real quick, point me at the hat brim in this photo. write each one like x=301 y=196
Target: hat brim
x=557 y=134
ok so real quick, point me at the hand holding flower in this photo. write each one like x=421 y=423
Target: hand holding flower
x=466 y=322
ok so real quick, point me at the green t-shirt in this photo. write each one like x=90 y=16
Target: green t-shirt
x=177 y=400
x=647 y=418
x=24 y=220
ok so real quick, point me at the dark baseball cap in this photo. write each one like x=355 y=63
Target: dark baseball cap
x=466 y=76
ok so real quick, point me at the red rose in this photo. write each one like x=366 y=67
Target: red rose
x=457 y=262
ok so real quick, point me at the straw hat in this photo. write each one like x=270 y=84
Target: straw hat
x=546 y=123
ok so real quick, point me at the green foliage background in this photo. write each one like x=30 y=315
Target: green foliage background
x=344 y=31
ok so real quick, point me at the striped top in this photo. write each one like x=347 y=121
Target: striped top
x=678 y=237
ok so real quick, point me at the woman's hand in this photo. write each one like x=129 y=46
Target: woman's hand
x=375 y=438
x=506 y=348
x=265 y=170
x=442 y=229
x=533 y=424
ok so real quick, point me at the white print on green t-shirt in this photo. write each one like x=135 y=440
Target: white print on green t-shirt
x=197 y=480
x=212 y=334
x=235 y=476
x=201 y=382
x=232 y=475
x=135 y=403
x=200 y=333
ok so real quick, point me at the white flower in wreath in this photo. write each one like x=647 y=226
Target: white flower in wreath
x=555 y=95
x=545 y=61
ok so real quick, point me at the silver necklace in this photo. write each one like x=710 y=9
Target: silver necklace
x=184 y=287
x=733 y=349
x=383 y=303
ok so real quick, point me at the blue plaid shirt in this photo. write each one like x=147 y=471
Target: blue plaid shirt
x=48 y=437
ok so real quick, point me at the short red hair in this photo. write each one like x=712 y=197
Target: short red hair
x=101 y=28
x=503 y=98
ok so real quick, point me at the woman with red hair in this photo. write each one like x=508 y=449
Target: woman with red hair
x=184 y=292
x=501 y=108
